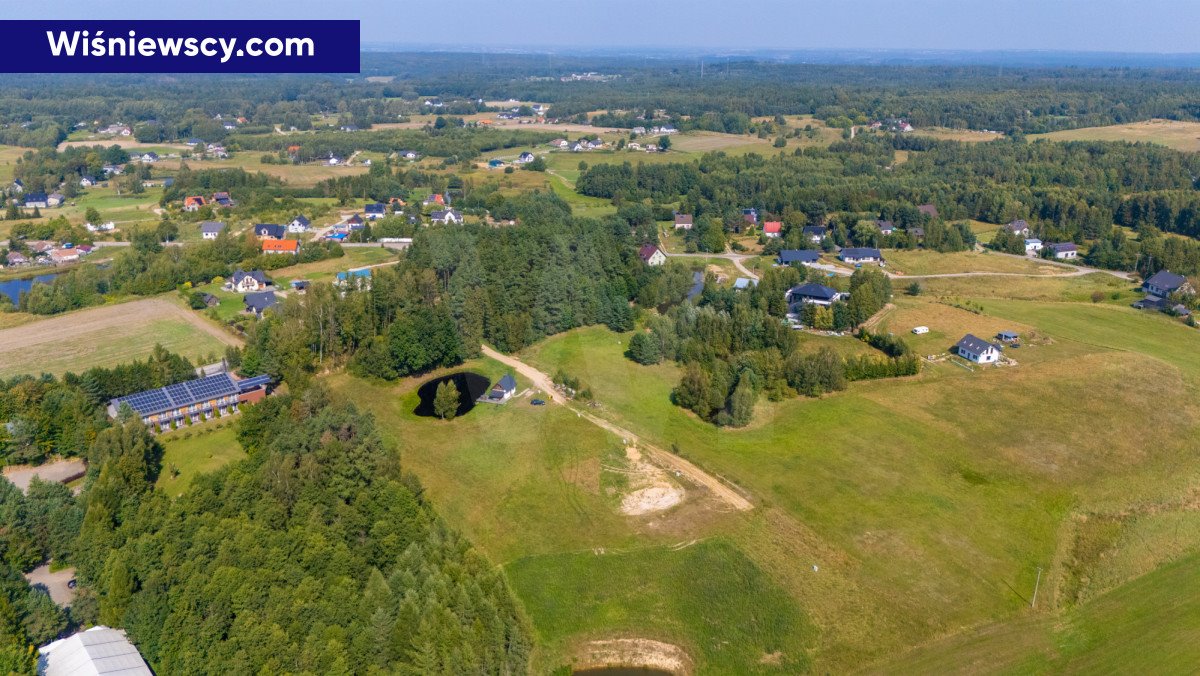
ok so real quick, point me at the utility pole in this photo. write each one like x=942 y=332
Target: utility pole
x=1033 y=603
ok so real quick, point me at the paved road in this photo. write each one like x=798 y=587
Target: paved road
x=670 y=461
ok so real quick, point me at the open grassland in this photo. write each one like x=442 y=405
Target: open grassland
x=929 y=503
x=1183 y=136
x=707 y=598
x=923 y=262
x=196 y=450
x=8 y=161
x=299 y=175
x=1150 y=625
x=106 y=336
x=964 y=135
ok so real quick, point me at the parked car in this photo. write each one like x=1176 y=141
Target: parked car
x=538 y=402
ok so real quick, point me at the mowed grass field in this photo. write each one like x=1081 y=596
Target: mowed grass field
x=1175 y=134
x=929 y=503
x=196 y=450
x=923 y=262
x=106 y=336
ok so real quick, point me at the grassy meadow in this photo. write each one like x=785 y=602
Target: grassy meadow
x=196 y=450
x=1175 y=134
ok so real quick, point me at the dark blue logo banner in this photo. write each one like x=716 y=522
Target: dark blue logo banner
x=201 y=46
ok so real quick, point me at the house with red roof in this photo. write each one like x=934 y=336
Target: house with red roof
x=773 y=228
x=652 y=255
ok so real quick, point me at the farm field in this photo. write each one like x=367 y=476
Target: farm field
x=300 y=175
x=8 y=160
x=1175 y=134
x=196 y=450
x=106 y=336
x=881 y=474
x=964 y=135
x=922 y=262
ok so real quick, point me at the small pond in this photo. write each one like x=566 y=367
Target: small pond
x=13 y=288
x=470 y=386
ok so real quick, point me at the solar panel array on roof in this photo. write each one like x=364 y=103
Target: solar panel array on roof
x=179 y=395
x=251 y=383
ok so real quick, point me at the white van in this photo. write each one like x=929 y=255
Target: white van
x=921 y=330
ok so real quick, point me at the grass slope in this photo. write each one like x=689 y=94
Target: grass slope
x=197 y=450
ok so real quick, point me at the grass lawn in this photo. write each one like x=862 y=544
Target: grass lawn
x=106 y=336
x=1175 y=134
x=195 y=450
x=8 y=160
x=708 y=598
x=964 y=135
x=923 y=262
x=930 y=502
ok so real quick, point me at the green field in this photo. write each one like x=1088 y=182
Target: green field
x=196 y=450
x=931 y=502
x=923 y=262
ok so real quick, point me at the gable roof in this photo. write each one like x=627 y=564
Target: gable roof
x=269 y=230
x=1064 y=246
x=1018 y=225
x=507 y=383
x=282 y=245
x=257 y=275
x=815 y=230
x=35 y=197
x=861 y=252
x=99 y=650
x=814 y=290
x=302 y=220
x=885 y=225
x=787 y=256
x=261 y=301
x=975 y=344
x=683 y=219
x=211 y=226
x=647 y=251
x=1165 y=279
x=374 y=208
x=772 y=227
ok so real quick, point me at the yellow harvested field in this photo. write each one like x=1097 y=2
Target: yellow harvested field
x=920 y=262
x=1183 y=136
x=106 y=336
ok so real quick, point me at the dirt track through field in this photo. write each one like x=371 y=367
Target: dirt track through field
x=668 y=461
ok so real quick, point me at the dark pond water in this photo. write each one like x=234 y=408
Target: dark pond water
x=621 y=671
x=470 y=387
x=13 y=288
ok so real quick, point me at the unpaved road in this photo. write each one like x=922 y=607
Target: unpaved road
x=61 y=471
x=736 y=259
x=670 y=461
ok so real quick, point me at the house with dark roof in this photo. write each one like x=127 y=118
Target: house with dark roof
x=299 y=224
x=978 y=350
x=652 y=255
x=812 y=293
x=859 y=255
x=885 y=227
x=39 y=200
x=18 y=186
x=802 y=256
x=1018 y=227
x=434 y=199
x=750 y=216
x=149 y=157
x=815 y=233
x=223 y=199
x=503 y=390
x=193 y=202
x=1064 y=250
x=928 y=210
x=258 y=303
x=1164 y=283
x=446 y=216
x=683 y=221
x=269 y=231
x=374 y=211
x=246 y=282
x=211 y=229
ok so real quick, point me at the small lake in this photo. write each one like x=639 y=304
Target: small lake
x=470 y=387
x=13 y=288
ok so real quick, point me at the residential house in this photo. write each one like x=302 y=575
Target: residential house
x=1164 y=283
x=859 y=255
x=64 y=256
x=561 y=143
x=815 y=233
x=885 y=227
x=193 y=142
x=802 y=256
x=299 y=224
x=269 y=231
x=683 y=221
x=217 y=151
x=503 y=390
x=355 y=222
x=149 y=158
x=434 y=199
x=116 y=130
x=258 y=303
x=1033 y=246
x=977 y=350
x=495 y=163
x=38 y=200
x=113 y=169
x=18 y=186
x=917 y=233
x=652 y=255
x=409 y=154
x=750 y=216
x=928 y=210
x=1019 y=228
x=247 y=282
x=525 y=158
x=374 y=211
x=55 y=199
x=300 y=285
x=39 y=246
x=86 y=181
x=743 y=283
x=16 y=258
x=447 y=216
x=99 y=650
x=222 y=199
x=773 y=229
x=281 y=246
x=100 y=227
x=193 y=203
x=812 y=293
x=1064 y=250
x=359 y=279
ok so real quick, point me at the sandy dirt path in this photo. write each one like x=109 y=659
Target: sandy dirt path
x=670 y=461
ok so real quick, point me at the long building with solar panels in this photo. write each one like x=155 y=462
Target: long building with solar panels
x=193 y=400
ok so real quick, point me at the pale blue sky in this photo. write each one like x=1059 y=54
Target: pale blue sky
x=708 y=25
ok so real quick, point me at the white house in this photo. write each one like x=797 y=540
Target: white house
x=652 y=255
x=299 y=224
x=211 y=229
x=1033 y=246
x=812 y=293
x=446 y=217
x=683 y=221
x=1065 y=250
x=977 y=350
x=860 y=255
x=248 y=282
